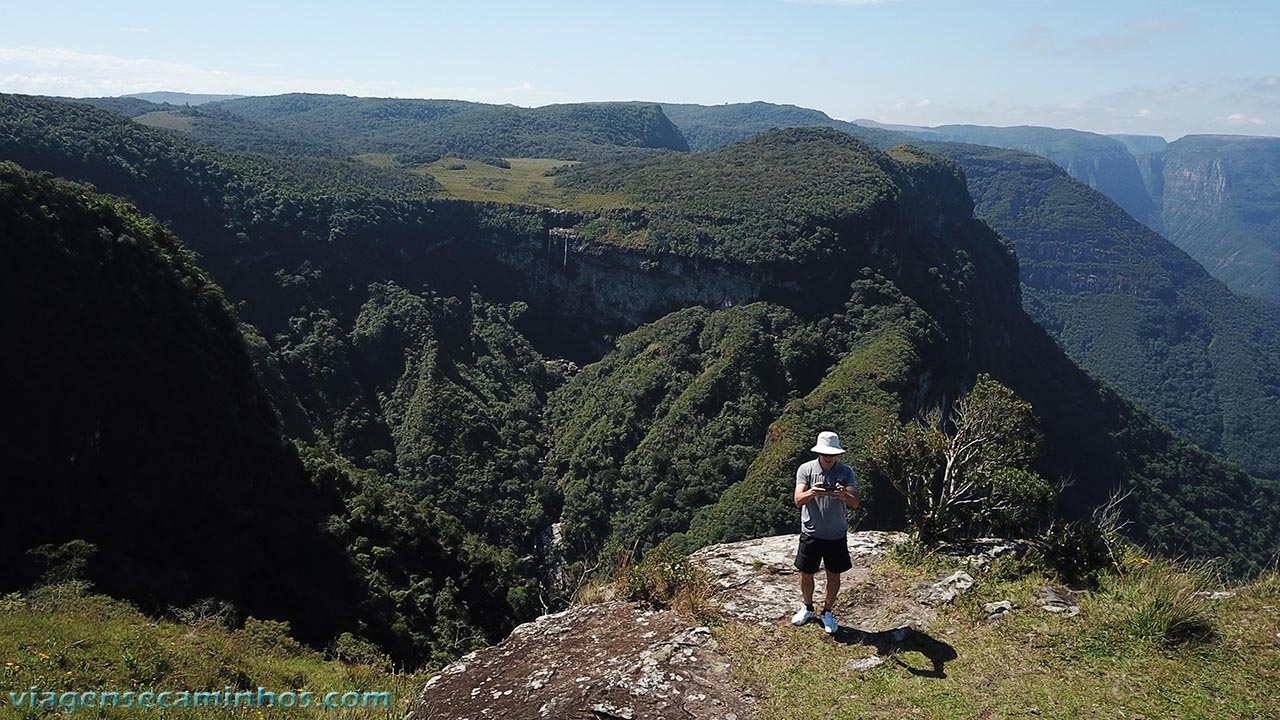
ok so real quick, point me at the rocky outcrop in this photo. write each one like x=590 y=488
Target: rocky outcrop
x=622 y=660
x=612 y=660
x=756 y=580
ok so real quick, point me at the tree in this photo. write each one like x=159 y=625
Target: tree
x=969 y=470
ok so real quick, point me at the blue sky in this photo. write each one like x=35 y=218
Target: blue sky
x=1166 y=68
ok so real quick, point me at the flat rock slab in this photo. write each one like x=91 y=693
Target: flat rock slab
x=944 y=590
x=612 y=660
x=757 y=581
x=1058 y=600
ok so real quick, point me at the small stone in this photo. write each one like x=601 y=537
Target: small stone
x=610 y=710
x=1058 y=600
x=864 y=664
x=1219 y=595
x=942 y=592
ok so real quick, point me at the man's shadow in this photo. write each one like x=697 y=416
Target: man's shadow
x=889 y=643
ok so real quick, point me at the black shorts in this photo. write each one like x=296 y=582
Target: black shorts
x=834 y=554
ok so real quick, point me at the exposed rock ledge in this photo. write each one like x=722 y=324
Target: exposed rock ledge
x=619 y=660
x=612 y=660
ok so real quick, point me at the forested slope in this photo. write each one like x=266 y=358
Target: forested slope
x=422 y=340
x=1133 y=308
x=151 y=462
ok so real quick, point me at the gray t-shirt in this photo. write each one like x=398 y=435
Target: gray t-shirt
x=825 y=518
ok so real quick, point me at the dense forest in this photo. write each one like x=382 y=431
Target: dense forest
x=458 y=377
x=153 y=461
x=415 y=131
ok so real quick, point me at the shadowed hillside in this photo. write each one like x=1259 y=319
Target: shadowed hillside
x=1130 y=306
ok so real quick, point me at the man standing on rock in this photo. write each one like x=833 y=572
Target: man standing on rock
x=825 y=490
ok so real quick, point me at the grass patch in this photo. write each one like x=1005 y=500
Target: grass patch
x=525 y=183
x=1158 y=604
x=166 y=120
x=1138 y=649
x=381 y=160
x=63 y=639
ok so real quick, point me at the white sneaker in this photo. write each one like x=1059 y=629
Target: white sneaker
x=802 y=616
x=829 y=622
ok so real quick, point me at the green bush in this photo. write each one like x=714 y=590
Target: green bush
x=1077 y=552
x=666 y=579
x=1160 y=604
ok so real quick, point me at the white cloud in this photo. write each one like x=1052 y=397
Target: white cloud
x=1242 y=120
x=60 y=71
x=1143 y=113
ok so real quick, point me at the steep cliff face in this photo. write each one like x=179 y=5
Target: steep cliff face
x=1219 y=204
x=1130 y=306
x=1101 y=162
x=137 y=421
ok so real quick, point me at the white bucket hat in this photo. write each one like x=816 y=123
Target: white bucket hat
x=828 y=444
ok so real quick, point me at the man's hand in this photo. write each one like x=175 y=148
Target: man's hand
x=847 y=495
x=803 y=495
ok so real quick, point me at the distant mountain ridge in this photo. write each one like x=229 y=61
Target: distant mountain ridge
x=181 y=98
x=419 y=131
x=1214 y=196
x=1101 y=162
x=708 y=127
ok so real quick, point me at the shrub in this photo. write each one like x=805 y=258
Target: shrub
x=1160 y=604
x=1077 y=552
x=665 y=579
x=1266 y=586
x=357 y=651
x=63 y=563
x=271 y=635
x=967 y=470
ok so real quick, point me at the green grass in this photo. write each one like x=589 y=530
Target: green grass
x=381 y=160
x=1106 y=663
x=525 y=183
x=60 y=640
x=167 y=120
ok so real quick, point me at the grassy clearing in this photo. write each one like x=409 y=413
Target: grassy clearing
x=380 y=160
x=61 y=640
x=1137 y=650
x=524 y=183
x=166 y=120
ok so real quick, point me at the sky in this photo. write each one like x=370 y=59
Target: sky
x=1153 y=68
